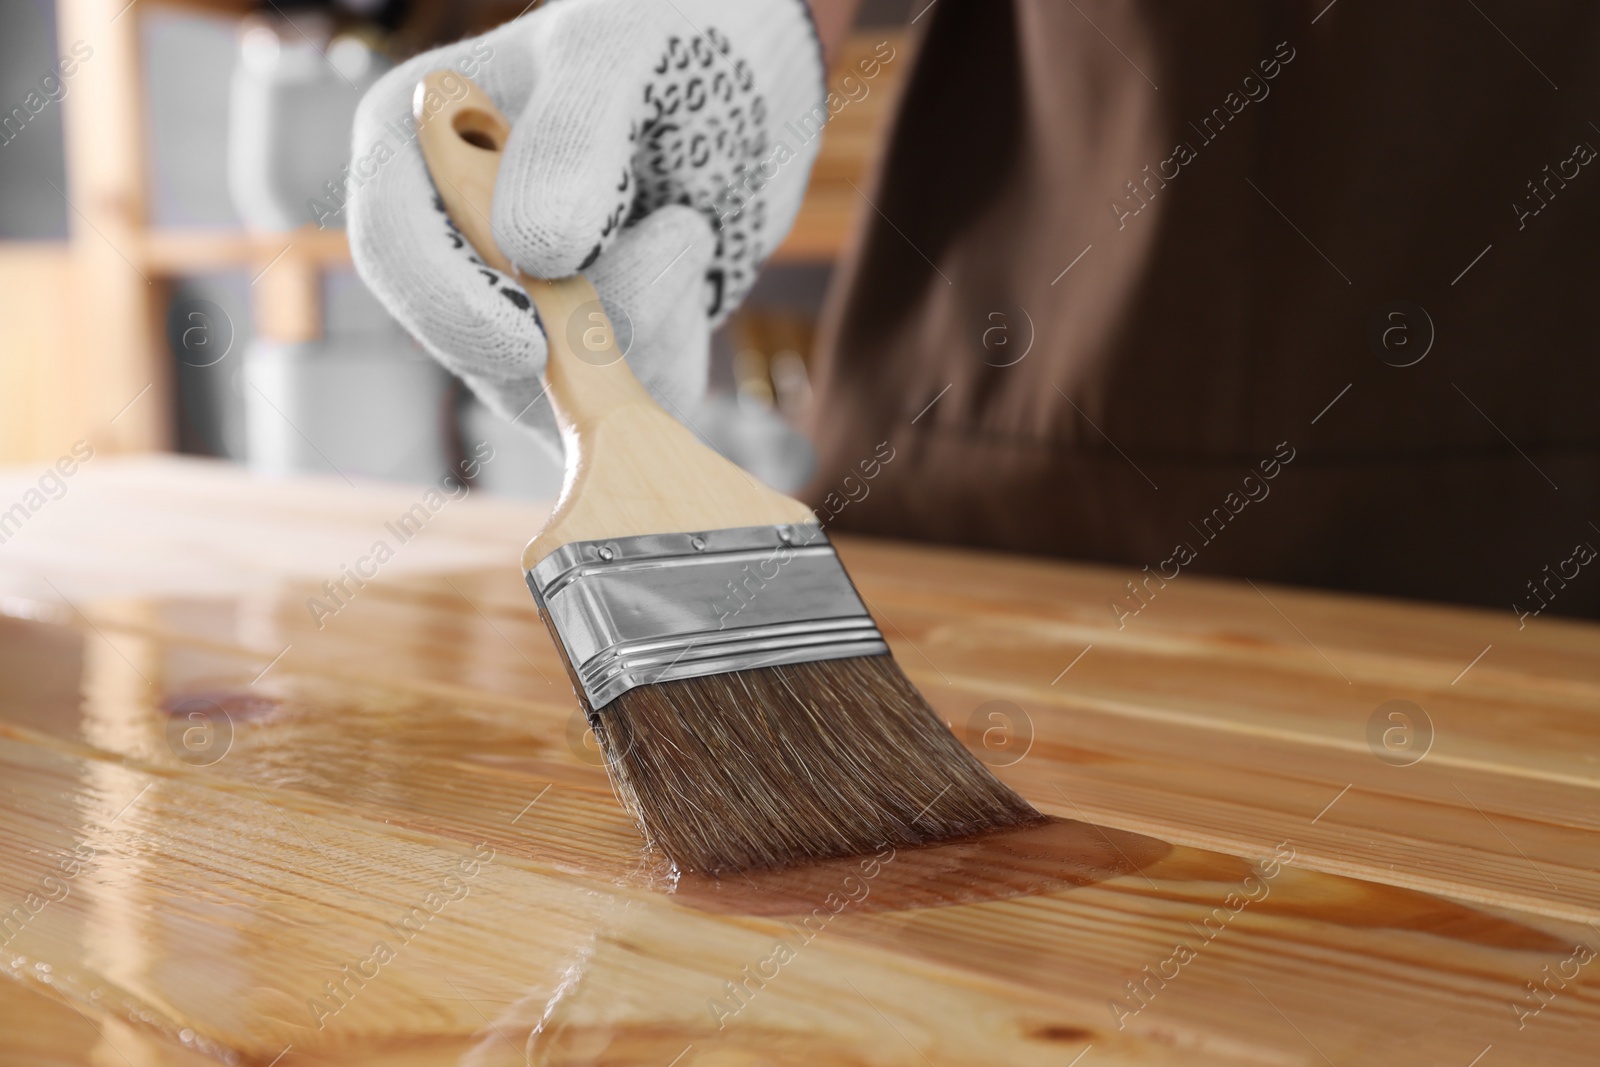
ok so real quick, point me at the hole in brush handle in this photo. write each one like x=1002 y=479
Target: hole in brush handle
x=478 y=128
x=461 y=135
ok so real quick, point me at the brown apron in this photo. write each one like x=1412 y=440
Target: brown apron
x=1129 y=257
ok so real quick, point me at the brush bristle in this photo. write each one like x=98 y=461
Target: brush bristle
x=780 y=765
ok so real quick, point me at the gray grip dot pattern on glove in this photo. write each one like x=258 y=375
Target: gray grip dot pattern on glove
x=700 y=144
x=506 y=286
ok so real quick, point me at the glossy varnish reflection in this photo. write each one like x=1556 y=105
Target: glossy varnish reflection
x=235 y=835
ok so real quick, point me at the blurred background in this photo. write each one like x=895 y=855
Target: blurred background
x=174 y=274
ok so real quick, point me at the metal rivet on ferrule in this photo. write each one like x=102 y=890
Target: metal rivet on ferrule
x=785 y=534
x=699 y=543
x=604 y=552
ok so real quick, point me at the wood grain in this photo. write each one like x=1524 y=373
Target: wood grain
x=1207 y=768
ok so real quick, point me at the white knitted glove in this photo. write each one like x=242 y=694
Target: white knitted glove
x=659 y=146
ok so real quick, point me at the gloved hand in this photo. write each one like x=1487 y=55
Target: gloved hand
x=651 y=148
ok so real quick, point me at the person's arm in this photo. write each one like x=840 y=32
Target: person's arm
x=833 y=19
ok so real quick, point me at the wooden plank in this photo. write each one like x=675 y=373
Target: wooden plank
x=1033 y=941
x=1247 y=690
x=180 y=251
x=1469 y=833
x=1497 y=840
x=1402 y=921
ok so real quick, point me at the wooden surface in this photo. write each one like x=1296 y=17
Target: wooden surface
x=419 y=755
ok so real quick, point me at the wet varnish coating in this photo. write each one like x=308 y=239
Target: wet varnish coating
x=394 y=844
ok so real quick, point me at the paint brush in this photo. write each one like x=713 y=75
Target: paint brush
x=749 y=710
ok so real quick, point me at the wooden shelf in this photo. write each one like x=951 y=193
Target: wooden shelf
x=174 y=252
x=820 y=230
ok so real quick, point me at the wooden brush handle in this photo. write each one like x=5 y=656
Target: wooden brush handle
x=630 y=467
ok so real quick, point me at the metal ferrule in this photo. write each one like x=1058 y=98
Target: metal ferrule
x=640 y=610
